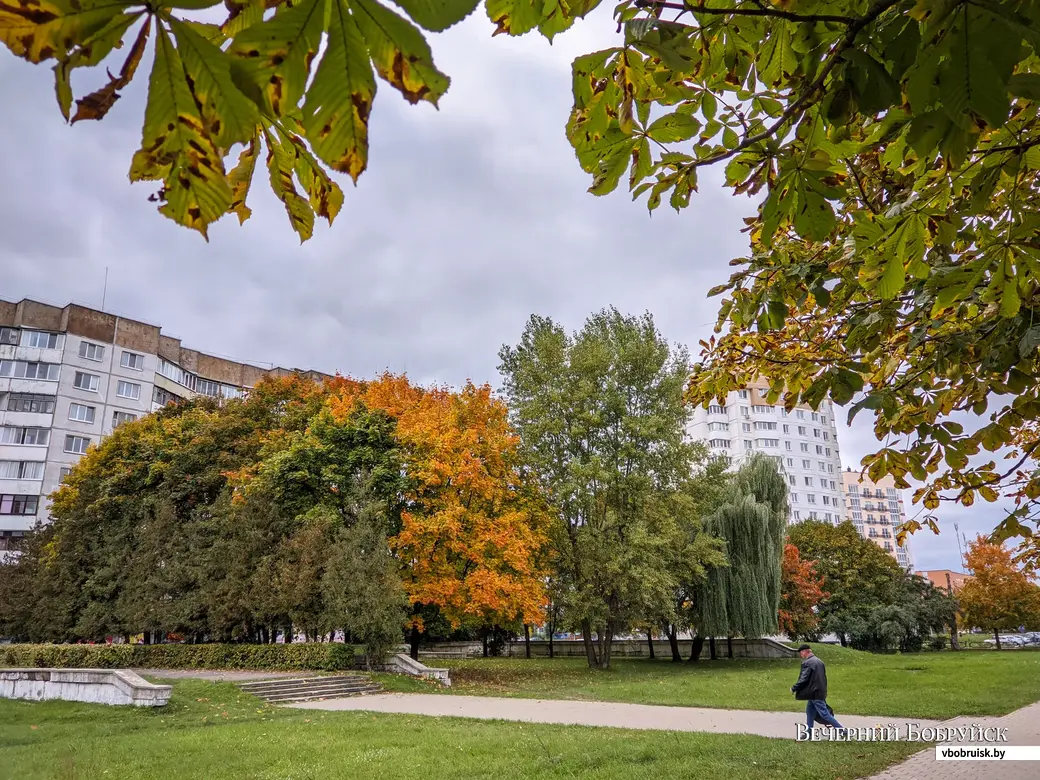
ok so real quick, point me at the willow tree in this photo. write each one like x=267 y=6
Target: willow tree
x=743 y=599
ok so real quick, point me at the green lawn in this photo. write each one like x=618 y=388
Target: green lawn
x=212 y=731
x=923 y=685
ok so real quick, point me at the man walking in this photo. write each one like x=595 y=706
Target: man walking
x=812 y=689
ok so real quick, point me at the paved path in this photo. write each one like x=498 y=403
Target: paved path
x=219 y=675
x=1023 y=729
x=592 y=713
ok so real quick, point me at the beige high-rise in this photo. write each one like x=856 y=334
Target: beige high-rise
x=876 y=509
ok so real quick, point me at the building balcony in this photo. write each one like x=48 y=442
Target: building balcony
x=21 y=487
x=18 y=522
x=35 y=386
x=26 y=419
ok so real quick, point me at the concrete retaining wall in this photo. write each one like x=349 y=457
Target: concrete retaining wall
x=620 y=648
x=96 y=686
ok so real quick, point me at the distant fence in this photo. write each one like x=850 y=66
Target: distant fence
x=620 y=648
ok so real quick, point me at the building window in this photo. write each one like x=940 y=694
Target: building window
x=787 y=428
x=132 y=361
x=854 y=502
x=18 y=505
x=888 y=547
x=716 y=426
x=801 y=430
x=37 y=437
x=858 y=516
x=815 y=417
x=823 y=419
x=63 y=472
x=21 y=469
x=745 y=411
x=854 y=490
x=716 y=409
x=128 y=390
x=89 y=351
x=891 y=493
x=797 y=515
x=790 y=463
x=794 y=496
x=36 y=404
x=827 y=501
x=806 y=464
x=118 y=418
x=833 y=486
x=40 y=339
x=827 y=451
x=811 y=497
x=230 y=391
x=793 y=480
x=784 y=412
x=747 y=444
x=745 y=426
x=827 y=516
x=760 y=409
x=787 y=445
x=765 y=426
x=804 y=447
x=742 y=394
x=189 y=380
x=830 y=468
x=808 y=483
x=800 y=414
x=76 y=444
x=85 y=381
x=767 y=442
x=826 y=436
x=20 y=369
x=81 y=413
x=9 y=336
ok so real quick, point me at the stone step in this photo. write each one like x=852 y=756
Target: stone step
x=283 y=698
x=290 y=689
x=310 y=688
x=290 y=682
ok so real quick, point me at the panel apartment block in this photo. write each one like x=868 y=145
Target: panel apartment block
x=69 y=376
x=876 y=509
x=803 y=441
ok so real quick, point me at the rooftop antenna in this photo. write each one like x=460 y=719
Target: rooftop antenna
x=104 y=291
x=960 y=552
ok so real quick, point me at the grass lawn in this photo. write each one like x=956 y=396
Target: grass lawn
x=924 y=685
x=213 y=731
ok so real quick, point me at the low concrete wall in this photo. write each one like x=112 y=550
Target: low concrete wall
x=402 y=663
x=96 y=686
x=639 y=648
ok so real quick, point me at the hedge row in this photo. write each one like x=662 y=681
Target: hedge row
x=320 y=656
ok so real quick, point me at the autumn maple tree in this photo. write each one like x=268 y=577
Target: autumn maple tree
x=1000 y=595
x=801 y=590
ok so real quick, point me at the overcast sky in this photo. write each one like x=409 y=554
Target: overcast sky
x=469 y=219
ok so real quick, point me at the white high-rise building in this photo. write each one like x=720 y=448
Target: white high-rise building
x=804 y=442
x=68 y=376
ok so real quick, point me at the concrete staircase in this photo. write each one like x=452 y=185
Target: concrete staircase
x=292 y=689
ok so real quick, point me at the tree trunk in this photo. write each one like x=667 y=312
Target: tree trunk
x=590 y=646
x=696 y=648
x=673 y=642
x=606 y=639
x=289 y=634
x=147 y=637
x=485 y=640
x=552 y=650
x=842 y=639
x=650 y=643
x=955 y=642
x=711 y=649
x=413 y=642
x=527 y=640
x=996 y=635
x=729 y=647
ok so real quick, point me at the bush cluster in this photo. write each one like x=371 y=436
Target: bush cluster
x=318 y=656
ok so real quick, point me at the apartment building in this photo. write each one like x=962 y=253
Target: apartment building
x=876 y=509
x=804 y=442
x=69 y=376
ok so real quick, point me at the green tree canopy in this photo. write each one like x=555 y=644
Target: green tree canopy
x=602 y=424
x=743 y=598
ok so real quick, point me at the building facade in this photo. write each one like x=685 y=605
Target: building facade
x=876 y=509
x=803 y=441
x=946 y=578
x=69 y=376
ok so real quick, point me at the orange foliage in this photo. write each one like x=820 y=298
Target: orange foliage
x=473 y=533
x=800 y=592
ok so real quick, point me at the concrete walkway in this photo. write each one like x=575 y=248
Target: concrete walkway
x=594 y=713
x=1023 y=728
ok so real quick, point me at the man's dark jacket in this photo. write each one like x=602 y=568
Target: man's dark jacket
x=812 y=682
